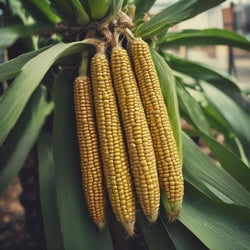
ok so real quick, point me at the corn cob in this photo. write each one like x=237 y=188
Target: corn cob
x=139 y=141
x=114 y=155
x=168 y=162
x=92 y=177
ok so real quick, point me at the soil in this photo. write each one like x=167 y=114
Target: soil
x=13 y=234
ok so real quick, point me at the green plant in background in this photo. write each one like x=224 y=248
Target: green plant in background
x=37 y=111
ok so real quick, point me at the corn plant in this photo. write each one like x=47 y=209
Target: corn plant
x=115 y=164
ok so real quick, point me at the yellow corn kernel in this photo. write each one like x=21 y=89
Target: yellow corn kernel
x=91 y=169
x=113 y=148
x=139 y=141
x=167 y=158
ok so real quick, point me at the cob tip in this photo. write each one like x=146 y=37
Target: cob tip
x=100 y=225
x=172 y=209
x=152 y=217
x=175 y=211
x=129 y=228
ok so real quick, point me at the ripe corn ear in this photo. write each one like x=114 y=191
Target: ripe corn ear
x=168 y=161
x=139 y=141
x=91 y=169
x=113 y=149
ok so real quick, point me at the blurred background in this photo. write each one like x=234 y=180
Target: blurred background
x=231 y=15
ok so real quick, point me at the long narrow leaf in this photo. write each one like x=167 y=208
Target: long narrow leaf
x=236 y=117
x=155 y=235
x=13 y=101
x=219 y=226
x=23 y=136
x=210 y=179
x=229 y=161
x=218 y=123
x=176 y=13
x=10 y=34
x=142 y=7
x=78 y=230
x=192 y=110
x=182 y=238
x=48 y=195
x=40 y=11
x=13 y=67
x=200 y=71
x=204 y=37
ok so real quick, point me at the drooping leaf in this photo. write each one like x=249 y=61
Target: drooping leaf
x=210 y=179
x=48 y=196
x=14 y=11
x=218 y=225
x=12 y=102
x=142 y=7
x=176 y=13
x=40 y=11
x=200 y=71
x=23 y=136
x=191 y=110
x=218 y=123
x=12 y=68
x=78 y=230
x=155 y=235
x=167 y=82
x=228 y=160
x=237 y=119
x=203 y=37
x=12 y=33
x=182 y=238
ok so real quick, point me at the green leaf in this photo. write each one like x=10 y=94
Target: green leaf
x=167 y=82
x=82 y=15
x=23 y=136
x=13 y=101
x=115 y=7
x=78 y=230
x=203 y=37
x=12 y=33
x=191 y=110
x=142 y=7
x=209 y=178
x=217 y=122
x=64 y=9
x=155 y=234
x=14 y=12
x=218 y=225
x=176 y=13
x=182 y=238
x=200 y=71
x=40 y=11
x=228 y=160
x=12 y=68
x=237 y=119
x=48 y=196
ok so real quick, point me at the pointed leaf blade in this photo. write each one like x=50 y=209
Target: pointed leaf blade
x=23 y=136
x=48 y=196
x=12 y=102
x=176 y=13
